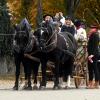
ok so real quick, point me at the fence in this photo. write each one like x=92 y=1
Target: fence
x=6 y=57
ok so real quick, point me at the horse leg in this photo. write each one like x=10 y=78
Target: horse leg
x=35 y=72
x=43 y=82
x=60 y=75
x=56 y=82
x=17 y=73
x=26 y=76
x=27 y=71
x=29 y=83
x=26 y=81
x=68 y=71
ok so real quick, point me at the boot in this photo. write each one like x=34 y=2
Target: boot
x=96 y=85
x=90 y=85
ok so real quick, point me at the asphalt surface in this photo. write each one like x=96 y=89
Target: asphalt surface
x=6 y=93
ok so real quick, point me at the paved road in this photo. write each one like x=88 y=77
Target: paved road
x=6 y=93
x=71 y=94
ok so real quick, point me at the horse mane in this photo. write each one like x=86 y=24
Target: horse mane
x=25 y=24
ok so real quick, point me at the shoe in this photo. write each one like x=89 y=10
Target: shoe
x=90 y=85
x=96 y=85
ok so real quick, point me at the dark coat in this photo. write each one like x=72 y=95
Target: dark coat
x=93 y=44
x=70 y=29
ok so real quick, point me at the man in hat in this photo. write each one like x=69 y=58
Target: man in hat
x=47 y=19
x=48 y=22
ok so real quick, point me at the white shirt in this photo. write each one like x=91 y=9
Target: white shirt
x=81 y=34
x=62 y=20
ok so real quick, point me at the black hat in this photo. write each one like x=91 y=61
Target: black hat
x=67 y=18
x=77 y=23
x=47 y=15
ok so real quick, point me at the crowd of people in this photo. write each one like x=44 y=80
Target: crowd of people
x=59 y=23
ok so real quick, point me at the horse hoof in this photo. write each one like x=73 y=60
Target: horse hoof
x=66 y=87
x=15 y=88
x=42 y=87
x=35 y=87
x=24 y=87
x=56 y=87
x=28 y=88
x=60 y=87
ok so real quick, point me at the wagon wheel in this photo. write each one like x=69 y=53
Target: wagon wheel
x=86 y=74
x=78 y=78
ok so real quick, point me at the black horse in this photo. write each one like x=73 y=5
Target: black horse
x=23 y=43
x=58 y=48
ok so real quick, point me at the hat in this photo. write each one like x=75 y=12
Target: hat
x=77 y=23
x=93 y=26
x=67 y=18
x=47 y=15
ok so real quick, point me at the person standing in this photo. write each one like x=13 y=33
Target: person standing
x=93 y=52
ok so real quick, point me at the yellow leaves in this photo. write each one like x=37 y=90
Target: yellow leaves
x=89 y=10
x=48 y=6
x=14 y=7
x=52 y=7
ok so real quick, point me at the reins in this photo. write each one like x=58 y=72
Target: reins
x=50 y=37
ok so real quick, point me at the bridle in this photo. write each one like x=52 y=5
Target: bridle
x=51 y=42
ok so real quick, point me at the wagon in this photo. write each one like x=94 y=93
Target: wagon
x=80 y=72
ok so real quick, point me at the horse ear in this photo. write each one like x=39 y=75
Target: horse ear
x=16 y=27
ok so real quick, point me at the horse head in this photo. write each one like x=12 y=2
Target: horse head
x=43 y=36
x=22 y=35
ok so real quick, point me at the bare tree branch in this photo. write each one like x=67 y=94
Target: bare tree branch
x=72 y=5
x=76 y=4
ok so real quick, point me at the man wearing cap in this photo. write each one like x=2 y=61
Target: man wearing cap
x=68 y=26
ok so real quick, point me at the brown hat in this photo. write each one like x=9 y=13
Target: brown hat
x=94 y=26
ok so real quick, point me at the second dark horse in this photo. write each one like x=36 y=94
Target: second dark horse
x=58 y=48
x=24 y=42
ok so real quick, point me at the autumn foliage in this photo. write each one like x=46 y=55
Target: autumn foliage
x=89 y=10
